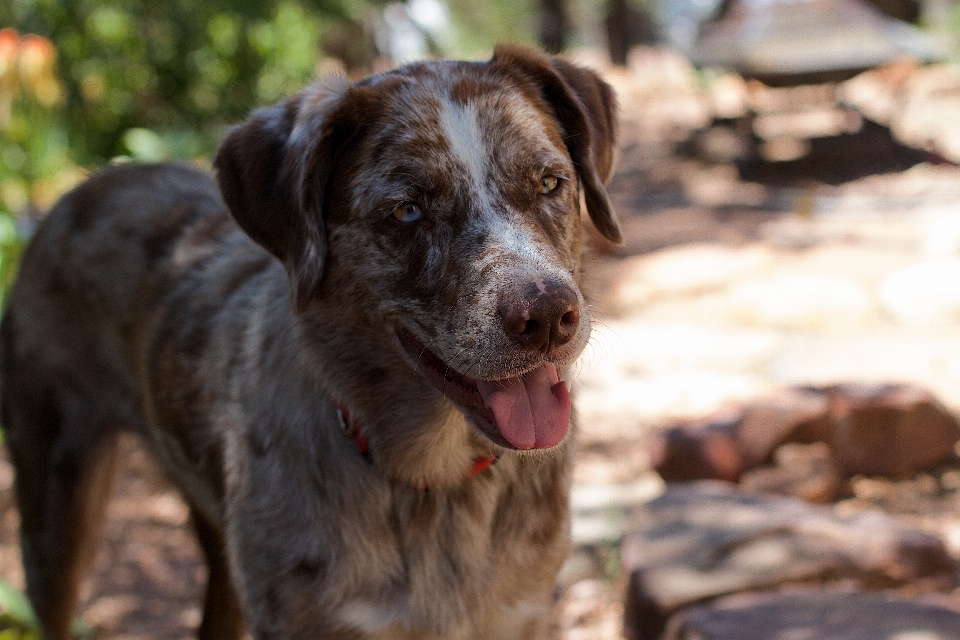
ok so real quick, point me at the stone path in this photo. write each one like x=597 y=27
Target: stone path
x=725 y=290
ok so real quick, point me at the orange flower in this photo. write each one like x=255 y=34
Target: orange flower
x=37 y=62
x=37 y=56
x=9 y=44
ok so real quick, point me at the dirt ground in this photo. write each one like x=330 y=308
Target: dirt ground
x=731 y=282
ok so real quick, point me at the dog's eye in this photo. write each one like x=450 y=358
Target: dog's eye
x=407 y=212
x=548 y=184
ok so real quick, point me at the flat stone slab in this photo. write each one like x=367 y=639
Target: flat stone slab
x=703 y=540
x=794 y=42
x=815 y=615
x=879 y=428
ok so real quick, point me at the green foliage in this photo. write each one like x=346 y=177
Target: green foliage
x=11 y=629
x=17 y=620
x=86 y=81
x=11 y=246
x=180 y=69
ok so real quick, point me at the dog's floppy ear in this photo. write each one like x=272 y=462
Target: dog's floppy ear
x=586 y=109
x=272 y=171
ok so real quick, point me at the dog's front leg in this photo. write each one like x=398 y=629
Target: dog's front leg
x=305 y=532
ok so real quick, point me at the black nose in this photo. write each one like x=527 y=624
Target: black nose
x=544 y=317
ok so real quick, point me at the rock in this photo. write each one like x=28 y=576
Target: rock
x=793 y=414
x=815 y=615
x=799 y=42
x=876 y=93
x=805 y=471
x=699 y=541
x=726 y=444
x=889 y=429
x=918 y=103
x=872 y=428
x=700 y=450
x=927 y=116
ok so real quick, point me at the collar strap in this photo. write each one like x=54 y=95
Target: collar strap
x=354 y=431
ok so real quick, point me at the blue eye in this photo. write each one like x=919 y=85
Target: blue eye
x=548 y=184
x=407 y=212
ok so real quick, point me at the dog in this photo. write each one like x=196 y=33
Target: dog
x=347 y=351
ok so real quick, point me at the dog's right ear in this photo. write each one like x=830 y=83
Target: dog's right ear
x=273 y=170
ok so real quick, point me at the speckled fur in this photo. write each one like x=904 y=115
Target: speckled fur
x=142 y=304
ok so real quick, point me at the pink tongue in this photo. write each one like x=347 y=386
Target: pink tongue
x=532 y=411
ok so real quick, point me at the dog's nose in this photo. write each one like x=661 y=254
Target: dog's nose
x=546 y=316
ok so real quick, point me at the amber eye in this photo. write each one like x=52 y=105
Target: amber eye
x=407 y=212
x=548 y=184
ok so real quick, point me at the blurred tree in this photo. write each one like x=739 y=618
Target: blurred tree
x=628 y=24
x=906 y=10
x=554 y=25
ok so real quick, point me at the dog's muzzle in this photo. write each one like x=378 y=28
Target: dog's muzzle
x=529 y=411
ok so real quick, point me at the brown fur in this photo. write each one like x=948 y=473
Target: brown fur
x=142 y=304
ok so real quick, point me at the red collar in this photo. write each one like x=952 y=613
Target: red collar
x=354 y=431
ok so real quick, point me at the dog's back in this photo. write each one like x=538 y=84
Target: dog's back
x=114 y=266
x=97 y=253
x=124 y=256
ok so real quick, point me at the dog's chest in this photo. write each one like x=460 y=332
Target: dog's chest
x=380 y=620
x=455 y=562
x=464 y=573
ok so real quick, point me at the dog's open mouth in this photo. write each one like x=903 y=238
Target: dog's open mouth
x=531 y=411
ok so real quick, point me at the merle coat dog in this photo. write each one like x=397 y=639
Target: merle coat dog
x=349 y=356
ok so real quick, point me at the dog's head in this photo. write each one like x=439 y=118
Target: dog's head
x=443 y=200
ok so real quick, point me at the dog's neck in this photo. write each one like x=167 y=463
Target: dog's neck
x=353 y=429
x=413 y=434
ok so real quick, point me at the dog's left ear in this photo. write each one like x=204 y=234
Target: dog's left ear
x=586 y=109
x=273 y=170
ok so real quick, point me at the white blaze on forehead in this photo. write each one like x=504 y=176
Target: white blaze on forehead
x=510 y=121
x=467 y=143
